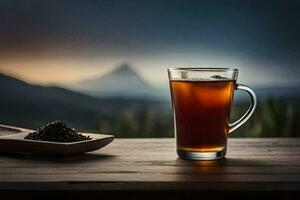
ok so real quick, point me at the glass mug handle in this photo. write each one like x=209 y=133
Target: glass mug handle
x=235 y=125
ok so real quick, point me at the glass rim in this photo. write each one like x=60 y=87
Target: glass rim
x=212 y=69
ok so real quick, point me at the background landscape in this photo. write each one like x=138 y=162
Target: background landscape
x=100 y=66
x=121 y=102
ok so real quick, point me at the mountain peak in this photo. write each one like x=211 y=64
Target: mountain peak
x=121 y=81
x=124 y=68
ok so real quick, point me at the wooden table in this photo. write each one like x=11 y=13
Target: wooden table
x=149 y=168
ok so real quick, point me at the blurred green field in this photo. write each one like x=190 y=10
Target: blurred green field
x=274 y=117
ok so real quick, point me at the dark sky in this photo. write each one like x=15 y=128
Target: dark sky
x=259 y=34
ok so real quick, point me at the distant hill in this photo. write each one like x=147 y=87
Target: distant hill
x=121 y=82
x=30 y=106
x=26 y=105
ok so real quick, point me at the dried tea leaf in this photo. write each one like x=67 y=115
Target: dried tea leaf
x=56 y=131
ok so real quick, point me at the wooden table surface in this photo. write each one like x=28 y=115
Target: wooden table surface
x=271 y=164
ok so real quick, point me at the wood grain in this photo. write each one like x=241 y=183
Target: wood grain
x=266 y=164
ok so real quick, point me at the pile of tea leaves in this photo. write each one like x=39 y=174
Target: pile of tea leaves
x=56 y=131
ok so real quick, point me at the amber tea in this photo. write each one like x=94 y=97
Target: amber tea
x=201 y=100
x=202 y=113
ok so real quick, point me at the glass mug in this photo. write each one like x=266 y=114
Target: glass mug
x=201 y=101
